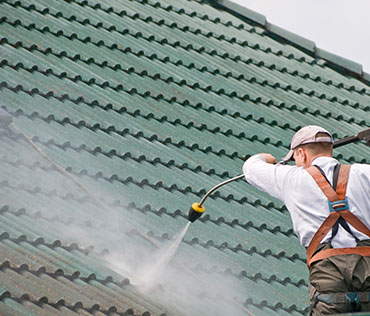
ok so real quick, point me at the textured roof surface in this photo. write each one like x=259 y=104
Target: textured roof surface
x=124 y=113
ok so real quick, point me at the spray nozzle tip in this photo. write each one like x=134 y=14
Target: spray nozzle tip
x=195 y=212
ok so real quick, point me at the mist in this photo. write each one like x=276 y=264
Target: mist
x=157 y=267
x=77 y=207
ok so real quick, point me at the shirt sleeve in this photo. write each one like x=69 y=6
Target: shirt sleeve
x=266 y=177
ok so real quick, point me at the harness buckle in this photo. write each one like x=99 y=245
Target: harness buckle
x=340 y=205
x=353 y=302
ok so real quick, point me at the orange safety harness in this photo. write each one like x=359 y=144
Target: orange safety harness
x=339 y=214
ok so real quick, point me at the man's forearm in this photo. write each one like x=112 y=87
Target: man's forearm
x=268 y=158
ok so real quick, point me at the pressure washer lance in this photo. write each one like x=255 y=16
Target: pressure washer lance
x=197 y=209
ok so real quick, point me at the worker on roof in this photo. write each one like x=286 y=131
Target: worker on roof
x=329 y=204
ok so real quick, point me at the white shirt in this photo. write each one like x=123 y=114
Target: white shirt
x=306 y=203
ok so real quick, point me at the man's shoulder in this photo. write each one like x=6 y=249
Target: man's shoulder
x=360 y=170
x=364 y=167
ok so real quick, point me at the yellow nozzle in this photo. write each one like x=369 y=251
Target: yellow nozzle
x=197 y=208
x=195 y=212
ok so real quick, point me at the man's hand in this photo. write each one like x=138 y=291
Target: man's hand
x=268 y=158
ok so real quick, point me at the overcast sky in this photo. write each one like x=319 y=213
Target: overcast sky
x=341 y=27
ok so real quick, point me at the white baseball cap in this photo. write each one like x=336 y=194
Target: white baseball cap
x=307 y=135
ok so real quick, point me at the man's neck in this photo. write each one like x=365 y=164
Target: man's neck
x=318 y=156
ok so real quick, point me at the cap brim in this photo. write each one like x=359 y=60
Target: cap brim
x=289 y=156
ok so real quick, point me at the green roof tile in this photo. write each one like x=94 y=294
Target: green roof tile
x=123 y=115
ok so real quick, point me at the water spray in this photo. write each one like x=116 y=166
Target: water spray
x=6 y=122
x=197 y=209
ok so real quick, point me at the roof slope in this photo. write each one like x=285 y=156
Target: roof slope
x=124 y=113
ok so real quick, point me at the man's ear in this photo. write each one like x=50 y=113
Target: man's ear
x=305 y=157
x=303 y=153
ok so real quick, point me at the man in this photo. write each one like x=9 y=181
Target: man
x=340 y=279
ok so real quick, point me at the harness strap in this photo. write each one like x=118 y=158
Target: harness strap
x=320 y=234
x=326 y=253
x=324 y=185
x=343 y=181
x=338 y=209
x=340 y=220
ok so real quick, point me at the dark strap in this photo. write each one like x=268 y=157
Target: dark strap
x=344 y=224
x=336 y=176
x=352 y=300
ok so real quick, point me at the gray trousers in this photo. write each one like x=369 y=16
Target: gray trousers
x=339 y=274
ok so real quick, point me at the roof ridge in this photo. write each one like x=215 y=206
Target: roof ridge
x=37 y=190
x=137 y=34
x=109 y=154
x=276 y=307
x=71 y=277
x=206 y=89
x=111 y=128
x=41 y=241
x=346 y=65
x=250 y=251
x=125 y=131
x=60 y=272
x=293 y=107
x=125 y=282
x=254 y=277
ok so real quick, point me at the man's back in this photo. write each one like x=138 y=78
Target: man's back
x=306 y=203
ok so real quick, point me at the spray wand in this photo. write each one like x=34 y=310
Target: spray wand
x=197 y=209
